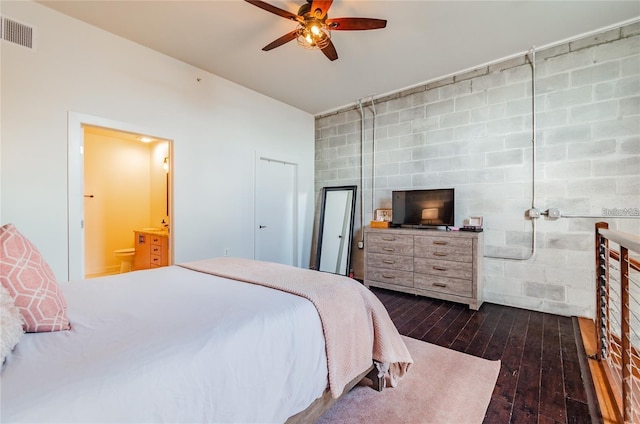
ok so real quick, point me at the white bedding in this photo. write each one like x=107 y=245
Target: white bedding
x=169 y=345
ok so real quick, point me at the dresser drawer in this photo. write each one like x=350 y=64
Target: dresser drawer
x=379 y=260
x=454 y=286
x=156 y=260
x=441 y=248
x=442 y=268
x=155 y=249
x=390 y=276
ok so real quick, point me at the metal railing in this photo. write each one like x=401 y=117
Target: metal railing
x=618 y=316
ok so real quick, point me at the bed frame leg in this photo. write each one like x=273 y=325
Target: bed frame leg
x=378 y=382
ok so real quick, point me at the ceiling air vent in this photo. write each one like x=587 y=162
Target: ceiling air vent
x=16 y=32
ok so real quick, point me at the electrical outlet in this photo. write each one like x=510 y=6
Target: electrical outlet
x=227 y=251
x=360 y=245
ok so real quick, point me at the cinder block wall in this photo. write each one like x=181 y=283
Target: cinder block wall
x=473 y=132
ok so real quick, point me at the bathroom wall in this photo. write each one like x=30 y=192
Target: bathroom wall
x=473 y=132
x=127 y=182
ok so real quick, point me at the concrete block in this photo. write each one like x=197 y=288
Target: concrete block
x=551 y=119
x=630 y=106
x=492 y=80
x=623 y=127
x=630 y=145
x=617 y=166
x=594 y=112
x=627 y=86
x=425 y=96
x=568 y=134
x=617 y=49
x=467 y=132
x=550 y=154
x=595 y=74
x=488 y=144
x=454 y=119
x=348 y=128
x=630 y=66
x=550 y=84
x=519 y=107
x=631 y=29
x=420 y=153
x=588 y=186
x=387 y=144
x=440 y=83
x=628 y=186
x=571 y=97
x=471 y=101
x=328 y=132
x=401 y=156
x=521 y=73
x=567 y=170
x=593 y=149
x=399 y=104
x=506 y=93
x=542 y=55
x=455 y=90
x=411 y=140
x=412 y=114
x=426 y=124
x=388 y=169
x=505 y=126
x=505 y=158
x=339 y=140
x=441 y=107
x=471 y=74
x=439 y=136
x=579 y=242
x=485 y=175
x=594 y=40
x=388 y=119
x=422 y=180
x=350 y=150
x=507 y=64
x=565 y=62
x=604 y=90
x=401 y=129
x=399 y=181
x=488 y=113
x=518 y=140
x=453 y=178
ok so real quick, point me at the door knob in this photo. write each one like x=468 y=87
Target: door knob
x=262 y=226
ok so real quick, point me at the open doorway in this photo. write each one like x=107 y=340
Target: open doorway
x=126 y=184
x=118 y=165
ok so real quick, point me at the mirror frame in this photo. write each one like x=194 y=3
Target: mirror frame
x=353 y=189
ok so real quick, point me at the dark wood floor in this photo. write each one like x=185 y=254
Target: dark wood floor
x=540 y=379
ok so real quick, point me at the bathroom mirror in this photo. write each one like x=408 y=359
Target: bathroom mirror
x=335 y=231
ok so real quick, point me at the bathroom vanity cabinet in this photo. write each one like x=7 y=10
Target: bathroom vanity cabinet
x=152 y=249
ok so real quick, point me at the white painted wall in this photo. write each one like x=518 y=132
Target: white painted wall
x=216 y=126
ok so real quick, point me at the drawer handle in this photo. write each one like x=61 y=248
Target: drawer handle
x=387 y=261
x=388 y=249
x=390 y=277
x=388 y=238
x=440 y=254
x=441 y=243
x=439 y=285
x=439 y=268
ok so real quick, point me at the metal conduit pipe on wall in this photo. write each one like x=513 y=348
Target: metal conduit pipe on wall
x=533 y=213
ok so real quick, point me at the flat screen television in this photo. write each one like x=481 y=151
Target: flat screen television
x=423 y=208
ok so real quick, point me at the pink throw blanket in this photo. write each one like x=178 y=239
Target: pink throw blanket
x=357 y=327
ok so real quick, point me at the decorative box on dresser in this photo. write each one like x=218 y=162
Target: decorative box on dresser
x=434 y=263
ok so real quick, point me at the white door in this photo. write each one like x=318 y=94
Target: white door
x=276 y=212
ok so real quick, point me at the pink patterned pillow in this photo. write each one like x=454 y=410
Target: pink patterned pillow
x=31 y=283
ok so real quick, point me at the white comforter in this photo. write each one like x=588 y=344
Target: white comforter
x=169 y=345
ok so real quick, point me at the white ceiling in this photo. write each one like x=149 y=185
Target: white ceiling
x=424 y=40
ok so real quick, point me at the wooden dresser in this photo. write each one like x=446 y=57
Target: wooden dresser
x=440 y=264
x=152 y=249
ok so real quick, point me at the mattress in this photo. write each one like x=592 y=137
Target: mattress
x=169 y=345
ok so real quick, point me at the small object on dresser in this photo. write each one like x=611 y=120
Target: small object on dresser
x=474 y=224
x=383 y=215
x=379 y=224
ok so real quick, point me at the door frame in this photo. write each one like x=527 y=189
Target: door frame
x=75 y=184
x=296 y=215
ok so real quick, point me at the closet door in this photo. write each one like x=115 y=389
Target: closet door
x=276 y=212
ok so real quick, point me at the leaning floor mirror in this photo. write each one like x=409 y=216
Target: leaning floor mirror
x=335 y=230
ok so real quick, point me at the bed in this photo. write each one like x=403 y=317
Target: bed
x=194 y=343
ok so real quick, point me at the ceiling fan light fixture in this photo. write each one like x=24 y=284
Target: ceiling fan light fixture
x=313 y=35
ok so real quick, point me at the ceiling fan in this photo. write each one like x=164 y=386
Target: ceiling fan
x=314 y=25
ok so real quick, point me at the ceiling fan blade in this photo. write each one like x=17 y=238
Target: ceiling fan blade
x=319 y=8
x=274 y=10
x=280 y=41
x=330 y=51
x=355 y=24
